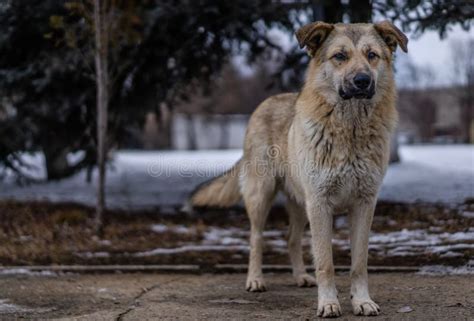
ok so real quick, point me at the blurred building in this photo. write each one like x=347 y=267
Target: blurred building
x=208 y=131
x=218 y=119
x=211 y=118
x=435 y=115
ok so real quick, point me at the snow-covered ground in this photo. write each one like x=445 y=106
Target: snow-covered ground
x=6 y=307
x=408 y=243
x=433 y=173
x=432 y=244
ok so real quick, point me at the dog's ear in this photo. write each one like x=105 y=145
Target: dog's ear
x=312 y=35
x=392 y=35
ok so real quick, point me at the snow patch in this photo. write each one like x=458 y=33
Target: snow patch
x=160 y=228
x=398 y=243
x=91 y=255
x=468 y=214
x=192 y=248
x=8 y=308
x=413 y=242
x=141 y=180
x=446 y=270
x=179 y=229
x=21 y=271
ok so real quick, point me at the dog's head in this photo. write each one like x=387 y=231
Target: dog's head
x=351 y=61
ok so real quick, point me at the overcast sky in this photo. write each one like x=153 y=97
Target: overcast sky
x=430 y=50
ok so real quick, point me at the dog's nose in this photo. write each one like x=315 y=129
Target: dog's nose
x=362 y=81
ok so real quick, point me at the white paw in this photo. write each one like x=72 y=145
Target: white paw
x=305 y=280
x=255 y=285
x=365 y=307
x=329 y=310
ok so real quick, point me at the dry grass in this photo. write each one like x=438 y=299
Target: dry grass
x=45 y=233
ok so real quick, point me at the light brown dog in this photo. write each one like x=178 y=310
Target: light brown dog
x=327 y=149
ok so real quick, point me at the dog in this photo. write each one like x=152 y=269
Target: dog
x=327 y=149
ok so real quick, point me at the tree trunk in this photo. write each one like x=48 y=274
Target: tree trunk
x=327 y=10
x=102 y=78
x=224 y=138
x=57 y=166
x=360 y=11
x=466 y=122
x=191 y=132
x=166 y=120
x=467 y=110
x=394 y=157
x=89 y=171
x=151 y=137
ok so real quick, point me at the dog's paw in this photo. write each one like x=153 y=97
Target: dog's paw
x=365 y=307
x=329 y=310
x=305 y=280
x=255 y=285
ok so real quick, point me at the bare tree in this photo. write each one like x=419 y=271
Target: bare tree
x=463 y=68
x=102 y=83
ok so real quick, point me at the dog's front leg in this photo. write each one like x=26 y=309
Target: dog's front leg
x=320 y=216
x=361 y=221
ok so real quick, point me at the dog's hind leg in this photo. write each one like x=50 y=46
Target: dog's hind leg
x=298 y=221
x=258 y=194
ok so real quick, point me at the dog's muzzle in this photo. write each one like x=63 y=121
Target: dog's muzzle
x=361 y=87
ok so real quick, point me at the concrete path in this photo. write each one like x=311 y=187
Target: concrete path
x=222 y=297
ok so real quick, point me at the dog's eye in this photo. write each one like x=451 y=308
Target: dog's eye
x=372 y=55
x=340 y=56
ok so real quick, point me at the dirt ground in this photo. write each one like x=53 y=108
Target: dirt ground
x=222 y=297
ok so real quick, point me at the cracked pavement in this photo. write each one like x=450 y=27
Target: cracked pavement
x=138 y=296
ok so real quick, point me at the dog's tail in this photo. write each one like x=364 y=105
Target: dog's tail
x=221 y=191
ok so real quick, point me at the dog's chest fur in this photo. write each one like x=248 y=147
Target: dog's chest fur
x=342 y=154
